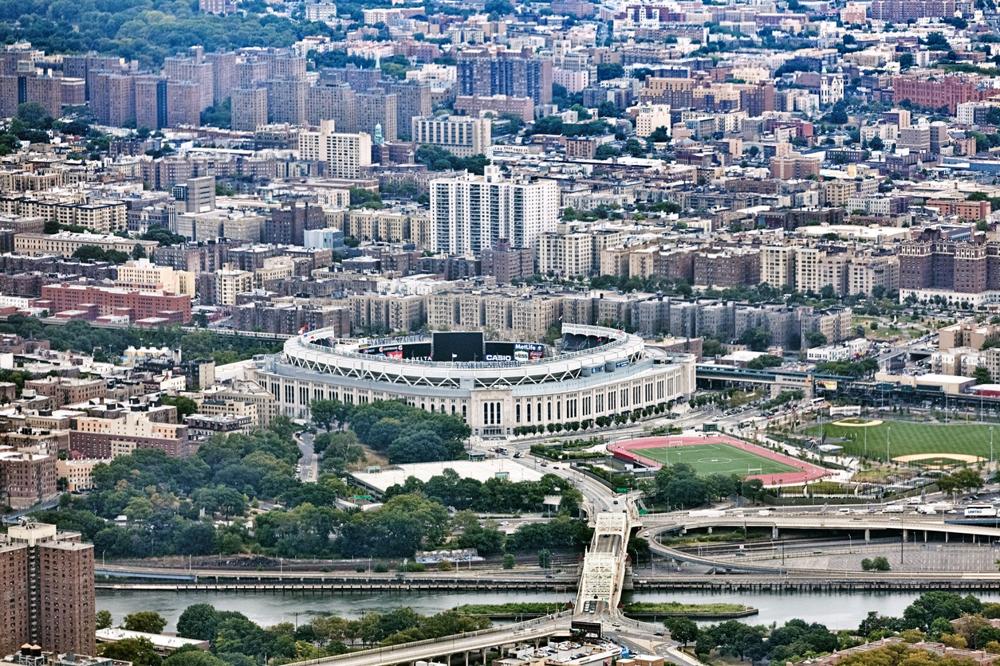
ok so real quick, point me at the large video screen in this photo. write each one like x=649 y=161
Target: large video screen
x=514 y=351
x=405 y=350
x=461 y=347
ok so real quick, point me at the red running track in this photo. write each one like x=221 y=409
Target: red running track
x=627 y=450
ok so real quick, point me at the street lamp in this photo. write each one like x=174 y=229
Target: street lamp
x=888 y=431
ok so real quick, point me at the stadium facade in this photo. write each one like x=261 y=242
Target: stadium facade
x=495 y=386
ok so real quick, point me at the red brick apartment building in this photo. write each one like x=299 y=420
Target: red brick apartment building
x=96 y=301
x=46 y=590
x=933 y=93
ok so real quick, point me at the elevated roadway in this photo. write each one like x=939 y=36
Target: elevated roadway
x=658 y=524
x=467 y=644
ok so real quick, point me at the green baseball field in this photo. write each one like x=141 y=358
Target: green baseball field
x=716 y=459
x=909 y=441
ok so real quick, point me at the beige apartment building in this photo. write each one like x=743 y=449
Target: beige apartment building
x=343 y=153
x=816 y=269
x=143 y=274
x=566 y=254
x=386 y=312
x=777 y=265
x=65 y=243
x=463 y=136
x=229 y=283
x=102 y=217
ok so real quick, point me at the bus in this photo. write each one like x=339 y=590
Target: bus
x=980 y=511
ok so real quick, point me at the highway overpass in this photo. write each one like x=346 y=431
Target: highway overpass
x=777 y=521
x=466 y=645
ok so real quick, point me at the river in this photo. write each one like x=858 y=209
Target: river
x=842 y=610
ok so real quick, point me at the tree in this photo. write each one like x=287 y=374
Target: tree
x=682 y=629
x=545 y=558
x=138 y=251
x=104 y=620
x=499 y=7
x=838 y=114
x=815 y=339
x=932 y=606
x=508 y=561
x=327 y=412
x=607 y=71
x=185 y=406
x=193 y=656
x=982 y=375
x=906 y=61
x=606 y=151
x=140 y=651
x=766 y=361
x=199 y=621
x=34 y=116
x=149 y=622
x=962 y=480
x=875 y=564
x=756 y=339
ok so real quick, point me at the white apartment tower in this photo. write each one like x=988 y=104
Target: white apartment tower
x=343 y=153
x=470 y=213
x=462 y=136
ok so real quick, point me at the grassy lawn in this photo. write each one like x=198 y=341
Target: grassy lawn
x=677 y=609
x=715 y=459
x=907 y=438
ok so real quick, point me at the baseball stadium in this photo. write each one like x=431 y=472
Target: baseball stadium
x=496 y=386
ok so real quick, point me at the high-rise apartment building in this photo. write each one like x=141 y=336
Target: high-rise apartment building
x=151 y=102
x=248 y=108
x=223 y=74
x=377 y=112
x=777 y=266
x=471 y=213
x=229 y=283
x=460 y=135
x=500 y=72
x=508 y=263
x=344 y=153
x=413 y=99
x=287 y=225
x=193 y=70
x=46 y=590
x=112 y=98
x=286 y=101
x=184 y=103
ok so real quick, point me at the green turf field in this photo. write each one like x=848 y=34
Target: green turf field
x=907 y=438
x=715 y=459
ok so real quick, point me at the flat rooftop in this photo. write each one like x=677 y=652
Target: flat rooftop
x=480 y=470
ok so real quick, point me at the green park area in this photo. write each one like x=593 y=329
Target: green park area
x=922 y=442
x=716 y=458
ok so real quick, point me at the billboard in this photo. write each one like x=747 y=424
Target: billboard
x=389 y=351
x=514 y=351
x=460 y=347
x=399 y=350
